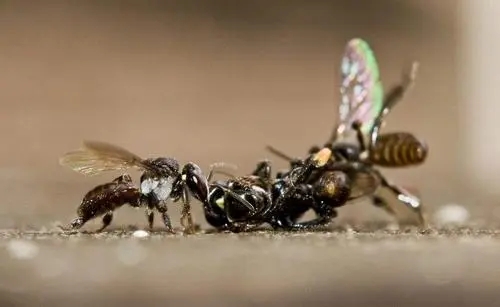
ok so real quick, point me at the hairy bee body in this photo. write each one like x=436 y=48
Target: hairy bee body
x=398 y=149
x=108 y=197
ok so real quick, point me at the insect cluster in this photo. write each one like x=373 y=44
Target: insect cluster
x=329 y=177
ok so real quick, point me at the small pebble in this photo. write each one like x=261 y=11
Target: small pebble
x=452 y=214
x=350 y=232
x=392 y=227
x=22 y=249
x=140 y=234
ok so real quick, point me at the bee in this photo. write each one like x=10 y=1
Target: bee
x=361 y=114
x=161 y=180
x=246 y=202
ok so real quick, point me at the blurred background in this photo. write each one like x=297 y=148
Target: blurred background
x=209 y=81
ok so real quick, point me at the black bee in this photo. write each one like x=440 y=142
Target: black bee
x=240 y=203
x=243 y=203
x=362 y=111
x=161 y=180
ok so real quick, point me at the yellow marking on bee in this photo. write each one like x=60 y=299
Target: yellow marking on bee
x=322 y=157
x=220 y=202
x=330 y=189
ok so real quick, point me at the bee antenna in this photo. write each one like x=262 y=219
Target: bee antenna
x=242 y=200
x=218 y=165
x=279 y=153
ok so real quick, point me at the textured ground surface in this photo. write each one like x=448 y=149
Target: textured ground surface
x=343 y=267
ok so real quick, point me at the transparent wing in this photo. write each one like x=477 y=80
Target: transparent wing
x=363 y=181
x=97 y=157
x=363 y=184
x=361 y=89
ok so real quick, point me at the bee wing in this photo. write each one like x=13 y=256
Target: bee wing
x=363 y=184
x=361 y=88
x=97 y=157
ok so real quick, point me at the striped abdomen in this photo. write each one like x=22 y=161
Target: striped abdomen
x=398 y=150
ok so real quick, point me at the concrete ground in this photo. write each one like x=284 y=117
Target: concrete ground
x=342 y=267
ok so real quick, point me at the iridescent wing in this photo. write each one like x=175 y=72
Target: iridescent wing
x=361 y=89
x=97 y=157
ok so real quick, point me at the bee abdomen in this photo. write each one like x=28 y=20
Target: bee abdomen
x=107 y=197
x=398 y=150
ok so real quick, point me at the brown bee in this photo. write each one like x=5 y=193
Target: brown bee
x=161 y=180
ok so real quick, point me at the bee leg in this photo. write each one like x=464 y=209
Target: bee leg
x=379 y=202
x=106 y=220
x=281 y=223
x=187 y=220
x=263 y=170
x=408 y=199
x=76 y=223
x=239 y=227
x=356 y=125
x=395 y=94
x=150 y=202
x=150 y=215
x=398 y=92
x=305 y=226
x=215 y=169
x=324 y=218
x=293 y=161
x=310 y=225
x=186 y=217
x=162 y=208
x=288 y=222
